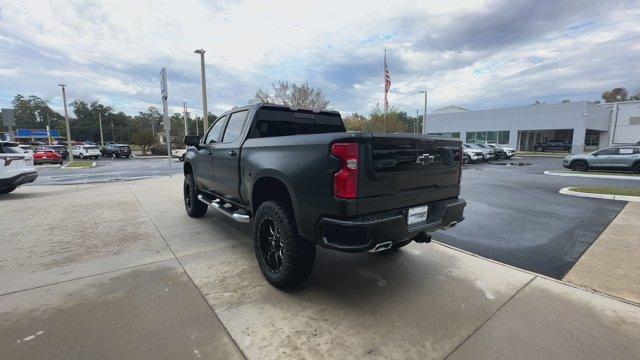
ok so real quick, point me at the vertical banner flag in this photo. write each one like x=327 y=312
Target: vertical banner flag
x=387 y=82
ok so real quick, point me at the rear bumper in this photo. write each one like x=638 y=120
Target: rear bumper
x=19 y=179
x=365 y=232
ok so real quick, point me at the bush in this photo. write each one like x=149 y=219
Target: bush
x=159 y=149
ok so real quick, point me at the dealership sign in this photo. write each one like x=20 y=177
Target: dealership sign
x=36 y=133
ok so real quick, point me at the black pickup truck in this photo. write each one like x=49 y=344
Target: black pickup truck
x=302 y=180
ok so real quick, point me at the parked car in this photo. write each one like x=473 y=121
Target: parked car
x=471 y=155
x=85 y=151
x=116 y=150
x=16 y=167
x=487 y=152
x=500 y=152
x=552 y=145
x=46 y=156
x=305 y=181
x=611 y=158
x=60 y=149
x=27 y=148
x=510 y=152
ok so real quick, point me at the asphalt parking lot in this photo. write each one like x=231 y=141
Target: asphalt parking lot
x=152 y=282
x=108 y=170
x=516 y=216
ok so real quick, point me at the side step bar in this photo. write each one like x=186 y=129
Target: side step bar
x=237 y=216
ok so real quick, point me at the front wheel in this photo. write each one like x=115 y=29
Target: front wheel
x=636 y=169
x=284 y=258
x=579 y=166
x=113 y=156
x=195 y=208
x=81 y=156
x=539 y=149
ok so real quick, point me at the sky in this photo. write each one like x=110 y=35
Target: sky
x=475 y=54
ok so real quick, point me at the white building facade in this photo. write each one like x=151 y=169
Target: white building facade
x=585 y=125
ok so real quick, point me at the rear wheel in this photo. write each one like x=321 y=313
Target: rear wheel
x=579 y=166
x=284 y=258
x=81 y=156
x=466 y=159
x=539 y=148
x=7 y=189
x=113 y=155
x=636 y=169
x=195 y=208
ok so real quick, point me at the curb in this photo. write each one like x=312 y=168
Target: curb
x=597 y=176
x=93 y=164
x=567 y=191
x=543 y=155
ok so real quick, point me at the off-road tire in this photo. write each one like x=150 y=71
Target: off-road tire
x=579 y=165
x=394 y=248
x=195 y=208
x=297 y=256
x=7 y=189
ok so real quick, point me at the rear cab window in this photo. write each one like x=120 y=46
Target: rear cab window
x=275 y=121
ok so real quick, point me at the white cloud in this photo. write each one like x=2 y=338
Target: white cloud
x=113 y=50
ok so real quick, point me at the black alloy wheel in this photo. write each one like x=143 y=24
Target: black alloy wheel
x=271 y=246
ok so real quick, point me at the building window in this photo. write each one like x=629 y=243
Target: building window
x=492 y=137
x=471 y=137
x=503 y=137
x=592 y=138
x=455 y=135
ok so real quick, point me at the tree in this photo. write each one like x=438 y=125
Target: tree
x=145 y=138
x=291 y=94
x=636 y=95
x=616 y=94
x=355 y=122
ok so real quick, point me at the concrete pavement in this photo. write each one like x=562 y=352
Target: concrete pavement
x=138 y=278
x=611 y=265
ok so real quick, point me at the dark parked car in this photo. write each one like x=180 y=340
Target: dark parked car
x=60 y=149
x=116 y=150
x=305 y=181
x=552 y=145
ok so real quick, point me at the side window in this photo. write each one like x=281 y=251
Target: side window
x=608 y=151
x=234 y=126
x=214 y=133
x=625 y=151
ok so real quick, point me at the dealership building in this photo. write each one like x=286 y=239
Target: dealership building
x=585 y=125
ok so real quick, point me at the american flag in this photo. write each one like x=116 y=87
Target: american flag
x=387 y=82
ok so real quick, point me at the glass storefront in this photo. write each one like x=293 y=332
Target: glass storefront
x=499 y=137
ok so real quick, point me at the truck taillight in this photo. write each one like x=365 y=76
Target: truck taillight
x=345 y=181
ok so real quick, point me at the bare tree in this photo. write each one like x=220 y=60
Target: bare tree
x=290 y=94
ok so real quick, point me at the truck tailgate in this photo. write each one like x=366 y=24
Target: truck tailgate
x=400 y=170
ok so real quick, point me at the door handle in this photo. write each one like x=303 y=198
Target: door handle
x=232 y=153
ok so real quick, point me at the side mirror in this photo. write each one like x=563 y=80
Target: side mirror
x=192 y=140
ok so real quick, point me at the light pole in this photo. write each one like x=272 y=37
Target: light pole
x=66 y=120
x=415 y=125
x=100 y=123
x=424 y=115
x=184 y=115
x=205 y=112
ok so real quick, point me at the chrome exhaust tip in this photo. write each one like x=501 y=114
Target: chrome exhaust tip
x=382 y=246
x=450 y=225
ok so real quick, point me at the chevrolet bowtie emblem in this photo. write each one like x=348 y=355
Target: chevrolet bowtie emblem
x=425 y=159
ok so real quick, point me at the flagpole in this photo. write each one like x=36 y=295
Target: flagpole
x=384 y=114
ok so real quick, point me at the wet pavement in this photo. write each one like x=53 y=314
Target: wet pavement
x=151 y=282
x=109 y=170
x=515 y=215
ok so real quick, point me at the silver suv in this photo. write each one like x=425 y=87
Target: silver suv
x=621 y=157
